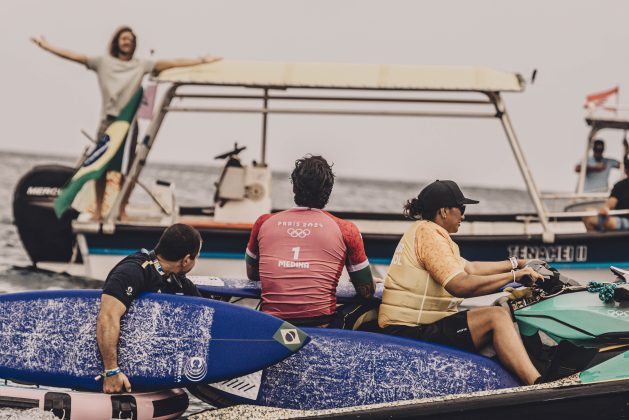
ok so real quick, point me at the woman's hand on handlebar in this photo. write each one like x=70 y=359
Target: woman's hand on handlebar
x=527 y=276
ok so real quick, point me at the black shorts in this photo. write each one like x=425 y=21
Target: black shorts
x=345 y=317
x=450 y=331
x=315 y=321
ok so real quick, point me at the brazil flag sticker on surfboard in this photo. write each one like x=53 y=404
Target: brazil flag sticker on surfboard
x=107 y=155
x=291 y=337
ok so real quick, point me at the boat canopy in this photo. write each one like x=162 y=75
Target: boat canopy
x=345 y=76
x=602 y=123
x=457 y=84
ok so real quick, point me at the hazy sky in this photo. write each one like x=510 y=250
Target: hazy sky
x=578 y=47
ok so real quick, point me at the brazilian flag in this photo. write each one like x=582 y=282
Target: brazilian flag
x=106 y=156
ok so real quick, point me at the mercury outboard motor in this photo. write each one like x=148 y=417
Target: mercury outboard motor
x=44 y=236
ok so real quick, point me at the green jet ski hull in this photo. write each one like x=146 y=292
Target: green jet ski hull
x=578 y=316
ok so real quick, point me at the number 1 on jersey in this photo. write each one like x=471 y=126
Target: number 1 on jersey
x=296 y=252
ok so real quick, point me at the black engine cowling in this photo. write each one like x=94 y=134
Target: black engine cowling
x=44 y=236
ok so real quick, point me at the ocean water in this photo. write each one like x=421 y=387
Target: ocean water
x=195 y=186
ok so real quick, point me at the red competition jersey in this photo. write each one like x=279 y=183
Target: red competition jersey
x=301 y=253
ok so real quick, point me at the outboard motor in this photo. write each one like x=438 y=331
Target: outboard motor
x=242 y=192
x=44 y=236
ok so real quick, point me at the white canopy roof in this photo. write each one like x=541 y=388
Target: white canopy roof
x=346 y=76
x=608 y=122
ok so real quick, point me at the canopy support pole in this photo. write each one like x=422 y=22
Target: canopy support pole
x=265 y=116
x=139 y=161
x=501 y=112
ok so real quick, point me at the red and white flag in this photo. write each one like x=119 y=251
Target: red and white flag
x=597 y=100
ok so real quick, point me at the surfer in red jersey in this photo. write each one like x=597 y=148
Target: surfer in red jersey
x=161 y=270
x=298 y=255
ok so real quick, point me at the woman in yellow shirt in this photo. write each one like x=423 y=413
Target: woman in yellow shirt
x=428 y=278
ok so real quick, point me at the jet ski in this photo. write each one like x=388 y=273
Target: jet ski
x=577 y=341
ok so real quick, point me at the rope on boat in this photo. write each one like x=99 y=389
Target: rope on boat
x=605 y=290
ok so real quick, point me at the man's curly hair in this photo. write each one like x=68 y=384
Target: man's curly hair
x=312 y=180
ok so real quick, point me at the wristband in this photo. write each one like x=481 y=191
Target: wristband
x=514 y=262
x=513 y=272
x=108 y=373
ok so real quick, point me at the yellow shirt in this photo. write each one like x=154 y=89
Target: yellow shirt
x=425 y=260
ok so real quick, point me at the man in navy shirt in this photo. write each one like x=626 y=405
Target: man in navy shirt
x=162 y=270
x=618 y=200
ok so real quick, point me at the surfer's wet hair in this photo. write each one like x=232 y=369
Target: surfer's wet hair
x=312 y=180
x=177 y=241
x=114 y=44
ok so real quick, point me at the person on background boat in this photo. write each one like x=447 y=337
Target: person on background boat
x=618 y=200
x=119 y=76
x=428 y=279
x=160 y=270
x=298 y=254
x=599 y=168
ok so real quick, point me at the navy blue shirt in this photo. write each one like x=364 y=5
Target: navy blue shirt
x=138 y=273
x=621 y=192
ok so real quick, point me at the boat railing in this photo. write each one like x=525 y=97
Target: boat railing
x=559 y=215
x=575 y=196
x=265 y=109
x=479 y=217
x=570 y=215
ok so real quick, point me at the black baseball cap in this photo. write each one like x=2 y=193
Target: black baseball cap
x=443 y=194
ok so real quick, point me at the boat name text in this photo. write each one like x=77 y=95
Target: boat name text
x=550 y=253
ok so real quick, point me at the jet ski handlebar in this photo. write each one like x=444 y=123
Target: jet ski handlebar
x=539 y=266
x=553 y=282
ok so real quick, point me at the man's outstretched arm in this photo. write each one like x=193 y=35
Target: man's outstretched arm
x=107 y=335
x=162 y=65
x=60 y=52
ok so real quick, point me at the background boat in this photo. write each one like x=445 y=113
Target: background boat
x=89 y=248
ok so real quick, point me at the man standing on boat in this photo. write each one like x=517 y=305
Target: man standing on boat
x=599 y=168
x=298 y=255
x=618 y=200
x=120 y=76
x=428 y=279
x=164 y=270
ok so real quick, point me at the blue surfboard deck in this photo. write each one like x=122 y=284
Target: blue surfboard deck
x=340 y=368
x=245 y=288
x=166 y=341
